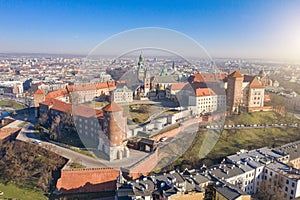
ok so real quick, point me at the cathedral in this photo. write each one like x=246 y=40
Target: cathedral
x=149 y=85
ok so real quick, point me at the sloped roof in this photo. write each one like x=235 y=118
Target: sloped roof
x=204 y=92
x=178 y=86
x=112 y=107
x=255 y=83
x=228 y=192
x=56 y=93
x=90 y=86
x=87 y=112
x=39 y=91
x=207 y=77
x=236 y=74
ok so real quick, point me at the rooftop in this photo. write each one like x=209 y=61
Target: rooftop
x=112 y=107
x=236 y=74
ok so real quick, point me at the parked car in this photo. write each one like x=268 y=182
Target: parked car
x=163 y=139
x=36 y=142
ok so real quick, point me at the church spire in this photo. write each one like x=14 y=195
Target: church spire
x=140 y=69
x=141 y=59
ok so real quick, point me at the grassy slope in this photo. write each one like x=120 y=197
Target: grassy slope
x=260 y=118
x=231 y=141
x=12 y=191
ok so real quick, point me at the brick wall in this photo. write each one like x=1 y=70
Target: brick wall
x=265 y=108
x=170 y=133
x=87 y=180
x=144 y=167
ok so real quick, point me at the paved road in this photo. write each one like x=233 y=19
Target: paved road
x=251 y=126
x=27 y=135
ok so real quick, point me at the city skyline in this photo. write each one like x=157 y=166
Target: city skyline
x=244 y=29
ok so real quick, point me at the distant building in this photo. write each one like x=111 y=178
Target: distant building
x=11 y=88
x=265 y=80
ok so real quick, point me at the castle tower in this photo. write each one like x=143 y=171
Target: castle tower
x=234 y=92
x=114 y=128
x=38 y=97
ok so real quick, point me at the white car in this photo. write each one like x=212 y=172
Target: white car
x=163 y=139
x=36 y=142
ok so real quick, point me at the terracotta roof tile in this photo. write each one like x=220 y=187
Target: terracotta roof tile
x=178 y=86
x=39 y=91
x=236 y=74
x=255 y=83
x=204 y=92
x=207 y=77
x=87 y=112
x=112 y=107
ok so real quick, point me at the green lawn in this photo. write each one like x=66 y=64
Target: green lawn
x=90 y=195
x=76 y=165
x=11 y=104
x=12 y=191
x=96 y=104
x=138 y=114
x=84 y=152
x=259 y=118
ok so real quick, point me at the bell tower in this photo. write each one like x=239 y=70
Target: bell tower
x=147 y=82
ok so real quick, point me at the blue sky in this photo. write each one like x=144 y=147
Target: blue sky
x=240 y=28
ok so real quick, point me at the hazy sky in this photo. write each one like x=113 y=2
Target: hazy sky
x=245 y=28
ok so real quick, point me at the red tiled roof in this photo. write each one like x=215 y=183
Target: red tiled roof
x=255 y=83
x=203 y=92
x=55 y=94
x=87 y=112
x=236 y=74
x=178 y=86
x=84 y=87
x=207 y=77
x=39 y=91
x=62 y=106
x=81 y=110
x=112 y=107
